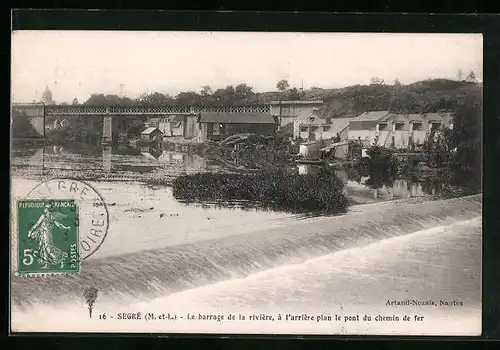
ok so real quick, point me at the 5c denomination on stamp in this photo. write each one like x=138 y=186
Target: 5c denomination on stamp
x=47 y=236
x=60 y=223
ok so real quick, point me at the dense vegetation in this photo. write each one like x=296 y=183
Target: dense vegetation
x=274 y=189
x=423 y=96
x=458 y=151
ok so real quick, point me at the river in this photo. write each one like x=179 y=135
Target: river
x=161 y=254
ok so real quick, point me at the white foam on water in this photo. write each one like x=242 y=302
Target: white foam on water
x=442 y=263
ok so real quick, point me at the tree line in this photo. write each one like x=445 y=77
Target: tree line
x=420 y=97
x=241 y=94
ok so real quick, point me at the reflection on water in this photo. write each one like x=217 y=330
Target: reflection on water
x=366 y=189
x=104 y=163
x=106 y=158
x=140 y=164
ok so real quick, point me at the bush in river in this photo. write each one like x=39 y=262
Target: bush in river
x=278 y=189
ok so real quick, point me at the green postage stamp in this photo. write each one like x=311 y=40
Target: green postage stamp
x=48 y=239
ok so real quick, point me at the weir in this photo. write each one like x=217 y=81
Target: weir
x=175 y=268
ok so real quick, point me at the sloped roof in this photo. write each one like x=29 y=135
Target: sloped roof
x=439 y=116
x=149 y=131
x=237 y=118
x=415 y=117
x=339 y=124
x=372 y=116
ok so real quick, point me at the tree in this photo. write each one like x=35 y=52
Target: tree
x=458 y=150
x=293 y=94
x=218 y=95
x=155 y=99
x=108 y=100
x=75 y=102
x=205 y=91
x=187 y=98
x=282 y=85
x=471 y=78
x=377 y=81
x=243 y=92
x=459 y=75
x=397 y=82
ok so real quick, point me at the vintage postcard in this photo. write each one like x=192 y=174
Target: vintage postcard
x=246 y=183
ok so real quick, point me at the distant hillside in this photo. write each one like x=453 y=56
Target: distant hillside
x=424 y=96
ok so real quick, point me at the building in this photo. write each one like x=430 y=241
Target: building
x=313 y=127
x=396 y=130
x=151 y=134
x=47 y=96
x=288 y=111
x=153 y=122
x=172 y=125
x=217 y=126
x=175 y=125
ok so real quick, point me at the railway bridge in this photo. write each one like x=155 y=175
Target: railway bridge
x=40 y=116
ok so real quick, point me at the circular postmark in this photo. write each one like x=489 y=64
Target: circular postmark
x=92 y=217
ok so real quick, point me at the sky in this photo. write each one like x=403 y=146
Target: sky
x=79 y=63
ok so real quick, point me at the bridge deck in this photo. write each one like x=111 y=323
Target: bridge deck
x=145 y=110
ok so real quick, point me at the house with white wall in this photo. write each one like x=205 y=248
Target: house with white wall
x=313 y=127
x=288 y=111
x=396 y=130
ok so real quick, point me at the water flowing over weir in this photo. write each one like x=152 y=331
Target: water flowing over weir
x=174 y=268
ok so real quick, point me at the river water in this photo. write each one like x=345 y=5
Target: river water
x=161 y=254
x=128 y=164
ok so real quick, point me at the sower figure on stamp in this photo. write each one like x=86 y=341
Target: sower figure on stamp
x=42 y=231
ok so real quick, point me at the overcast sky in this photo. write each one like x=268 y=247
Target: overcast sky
x=79 y=63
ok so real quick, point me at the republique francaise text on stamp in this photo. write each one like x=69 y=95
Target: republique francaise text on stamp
x=47 y=236
x=59 y=224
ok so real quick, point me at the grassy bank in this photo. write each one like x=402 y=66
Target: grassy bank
x=276 y=189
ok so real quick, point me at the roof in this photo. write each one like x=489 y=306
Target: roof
x=149 y=131
x=176 y=121
x=372 y=116
x=339 y=124
x=237 y=118
x=298 y=102
x=414 y=117
x=439 y=116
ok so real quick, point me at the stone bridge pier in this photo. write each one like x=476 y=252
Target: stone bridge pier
x=34 y=114
x=123 y=113
x=107 y=130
